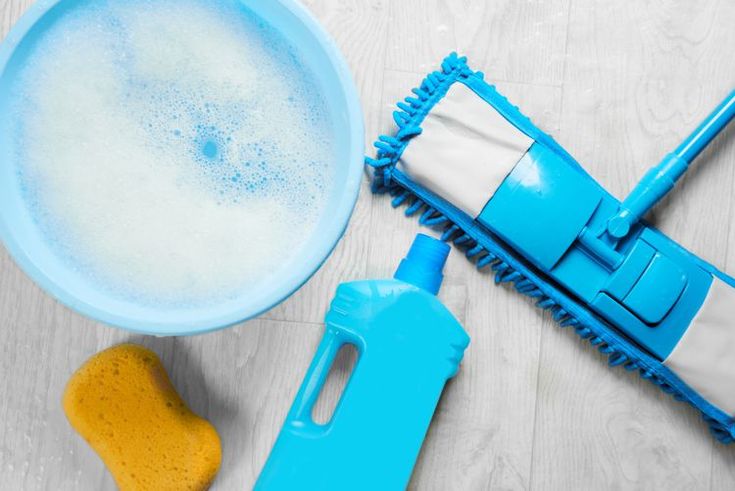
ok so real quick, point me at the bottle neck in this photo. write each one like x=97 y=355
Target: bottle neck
x=423 y=265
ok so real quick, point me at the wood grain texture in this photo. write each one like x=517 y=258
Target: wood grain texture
x=619 y=84
x=636 y=80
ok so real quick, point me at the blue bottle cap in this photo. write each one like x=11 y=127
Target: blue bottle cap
x=423 y=264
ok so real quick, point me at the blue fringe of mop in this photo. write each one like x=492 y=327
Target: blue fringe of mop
x=482 y=248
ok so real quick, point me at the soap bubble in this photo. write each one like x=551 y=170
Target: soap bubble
x=175 y=152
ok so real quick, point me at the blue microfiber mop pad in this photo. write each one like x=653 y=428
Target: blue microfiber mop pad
x=470 y=164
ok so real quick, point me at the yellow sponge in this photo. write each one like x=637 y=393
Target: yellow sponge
x=122 y=402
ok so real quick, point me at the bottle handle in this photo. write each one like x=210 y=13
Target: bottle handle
x=316 y=376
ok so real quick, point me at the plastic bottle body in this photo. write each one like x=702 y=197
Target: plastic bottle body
x=408 y=346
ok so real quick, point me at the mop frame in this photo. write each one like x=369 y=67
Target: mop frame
x=487 y=251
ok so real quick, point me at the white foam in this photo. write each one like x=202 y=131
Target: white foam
x=175 y=151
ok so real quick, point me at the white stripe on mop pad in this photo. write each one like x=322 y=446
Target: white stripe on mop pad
x=704 y=358
x=465 y=151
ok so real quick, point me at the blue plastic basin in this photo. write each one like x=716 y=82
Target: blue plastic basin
x=30 y=249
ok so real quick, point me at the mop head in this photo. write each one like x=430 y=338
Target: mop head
x=471 y=166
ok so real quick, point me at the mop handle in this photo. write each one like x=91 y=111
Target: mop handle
x=660 y=179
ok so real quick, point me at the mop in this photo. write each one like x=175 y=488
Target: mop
x=472 y=166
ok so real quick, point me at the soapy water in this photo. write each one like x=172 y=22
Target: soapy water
x=176 y=152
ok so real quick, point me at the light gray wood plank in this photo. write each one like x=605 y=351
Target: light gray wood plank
x=10 y=12
x=723 y=468
x=636 y=81
x=513 y=41
x=422 y=32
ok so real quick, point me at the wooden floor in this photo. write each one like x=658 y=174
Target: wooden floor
x=618 y=83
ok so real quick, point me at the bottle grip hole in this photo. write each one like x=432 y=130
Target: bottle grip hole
x=334 y=385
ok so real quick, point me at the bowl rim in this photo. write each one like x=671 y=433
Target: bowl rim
x=289 y=283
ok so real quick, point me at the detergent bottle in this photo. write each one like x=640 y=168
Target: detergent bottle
x=408 y=346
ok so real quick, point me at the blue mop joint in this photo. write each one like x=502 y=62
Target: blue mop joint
x=472 y=165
